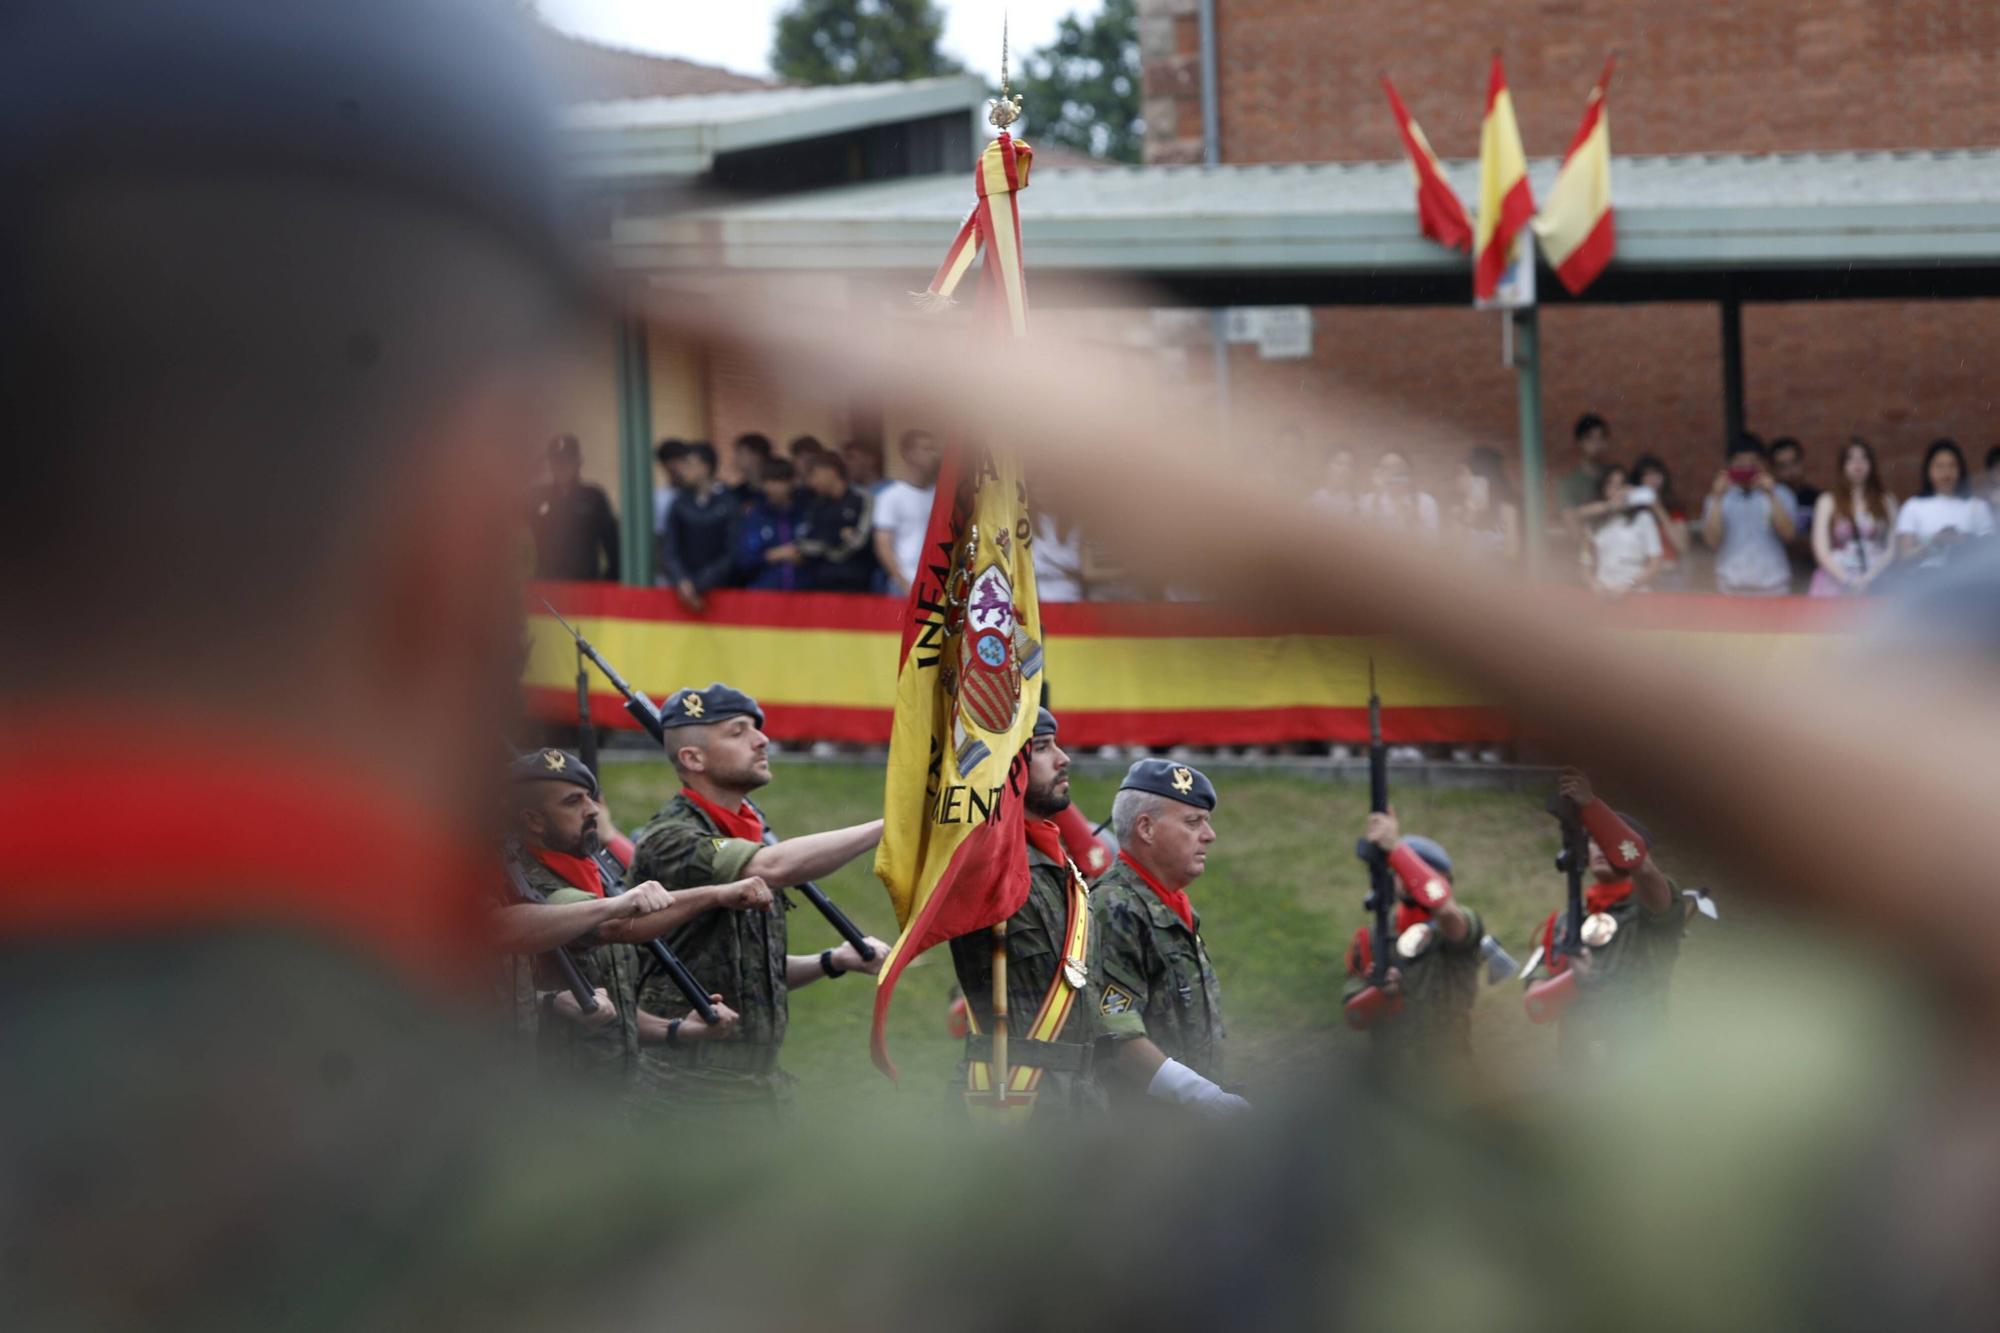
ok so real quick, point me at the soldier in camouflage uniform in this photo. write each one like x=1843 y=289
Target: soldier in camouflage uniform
x=1055 y=966
x=1615 y=988
x=711 y=832
x=556 y=827
x=1422 y=1014
x=1155 y=962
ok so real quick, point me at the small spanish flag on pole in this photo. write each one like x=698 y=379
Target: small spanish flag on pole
x=954 y=853
x=1440 y=215
x=1575 y=226
x=1505 y=203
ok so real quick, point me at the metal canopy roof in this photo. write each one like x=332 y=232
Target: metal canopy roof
x=656 y=137
x=1689 y=227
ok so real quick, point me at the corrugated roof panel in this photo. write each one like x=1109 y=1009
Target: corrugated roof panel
x=1693 y=210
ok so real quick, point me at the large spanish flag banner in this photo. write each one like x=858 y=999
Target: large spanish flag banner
x=824 y=666
x=954 y=855
x=1505 y=201
x=1440 y=215
x=1575 y=225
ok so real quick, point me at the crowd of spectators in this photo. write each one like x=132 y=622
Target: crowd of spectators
x=812 y=518
x=1766 y=525
x=807 y=519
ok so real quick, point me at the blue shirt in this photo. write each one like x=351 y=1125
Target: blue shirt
x=764 y=527
x=1751 y=560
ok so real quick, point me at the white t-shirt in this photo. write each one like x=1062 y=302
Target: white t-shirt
x=1928 y=515
x=1624 y=547
x=1058 y=562
x=904 y=511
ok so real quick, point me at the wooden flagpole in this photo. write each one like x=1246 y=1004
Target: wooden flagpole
x=1000 y=1074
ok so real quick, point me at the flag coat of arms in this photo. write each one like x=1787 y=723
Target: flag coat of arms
x=954 y=851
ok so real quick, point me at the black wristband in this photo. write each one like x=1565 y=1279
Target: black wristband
x=674 y=1031
x=826 y=964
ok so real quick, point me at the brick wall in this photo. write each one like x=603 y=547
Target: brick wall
x=1299 y=82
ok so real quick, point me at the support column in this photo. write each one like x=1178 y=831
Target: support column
x=1732 y=369
x=1211 y=155
x=635 y=455
x=1534 y=471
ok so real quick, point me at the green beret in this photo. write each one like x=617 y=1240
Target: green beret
x=551 y=765
x=1176 y=782
x=697 y=708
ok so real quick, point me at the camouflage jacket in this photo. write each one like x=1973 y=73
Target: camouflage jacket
x=1439 y=985
x=569 y=1050
x=515 y=1002
x=1035 y=939
x=739 y=955
x=1158 y=968
x=1625 y=985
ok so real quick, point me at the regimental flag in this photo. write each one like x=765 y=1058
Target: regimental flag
x=1440 y=215
x=954 y=853
x=1575 y=225
x=1505 y=202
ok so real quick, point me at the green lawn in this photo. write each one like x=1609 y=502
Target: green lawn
x=1279 y=903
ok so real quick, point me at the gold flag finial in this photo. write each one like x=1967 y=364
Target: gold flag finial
x=1005 y=109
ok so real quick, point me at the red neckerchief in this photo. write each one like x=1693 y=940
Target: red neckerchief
x=742 y=822
x=1599 y=897
x=308 y=843
x=1045 y=836
x=580 y=872
x=1175 y=899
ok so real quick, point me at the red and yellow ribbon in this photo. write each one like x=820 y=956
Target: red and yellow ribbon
x=994 y=225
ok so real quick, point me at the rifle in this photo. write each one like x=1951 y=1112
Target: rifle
x=586 y=735
x=670 y=963
x=1547 y=999
x=647 y=716
x=558 y=957
x=1381 y=884
x=1575 y=854
x=636 y=704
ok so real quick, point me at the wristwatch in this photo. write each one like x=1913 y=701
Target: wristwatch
x=826 y=964
x=674 y=1031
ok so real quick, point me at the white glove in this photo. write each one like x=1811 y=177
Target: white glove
x=1174 y=1082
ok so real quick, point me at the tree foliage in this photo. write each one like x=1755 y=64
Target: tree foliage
x=1082 y=89
x=859 y=41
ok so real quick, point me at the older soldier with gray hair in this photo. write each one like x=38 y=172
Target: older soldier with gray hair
x=1154 y=961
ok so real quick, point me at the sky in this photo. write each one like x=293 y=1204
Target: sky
x=736 y=34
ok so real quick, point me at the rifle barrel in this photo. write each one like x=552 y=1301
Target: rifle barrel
x=1381 y=886
x=638 y=705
